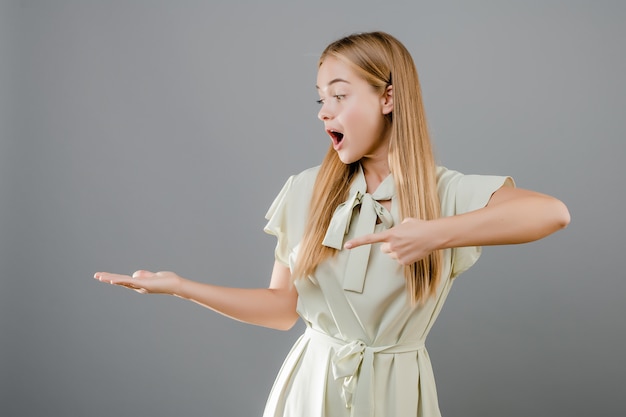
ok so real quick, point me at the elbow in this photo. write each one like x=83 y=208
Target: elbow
x=554 y=216
x=286 y=324
x=562 y=217
x=290 y=322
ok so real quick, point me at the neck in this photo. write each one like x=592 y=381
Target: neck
x=375 y=171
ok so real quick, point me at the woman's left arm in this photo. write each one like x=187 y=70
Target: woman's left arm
x=512 y=215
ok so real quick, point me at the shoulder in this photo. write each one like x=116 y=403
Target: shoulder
x=287 y=214
x=296 y=191
x=450 y=179
x=447 y=178
x=306 y=177
x=460 y=192
x=299 y=182
x=300 y=185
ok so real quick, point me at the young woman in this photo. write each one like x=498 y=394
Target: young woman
x=369 y=244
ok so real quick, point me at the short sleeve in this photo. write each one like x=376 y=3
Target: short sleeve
x=277 y=217
x=460 y=194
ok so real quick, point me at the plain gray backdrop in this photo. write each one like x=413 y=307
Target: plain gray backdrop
x=156 y=134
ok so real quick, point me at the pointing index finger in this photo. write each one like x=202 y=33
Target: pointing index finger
x=365 y=240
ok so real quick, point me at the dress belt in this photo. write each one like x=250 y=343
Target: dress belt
x=353 y=362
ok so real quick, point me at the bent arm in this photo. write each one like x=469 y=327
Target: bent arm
x=513 y=215
x=273 y=307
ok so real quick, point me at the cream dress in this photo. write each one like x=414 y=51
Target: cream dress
x=362 y=353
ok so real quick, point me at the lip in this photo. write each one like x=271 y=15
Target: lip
x=337 y=142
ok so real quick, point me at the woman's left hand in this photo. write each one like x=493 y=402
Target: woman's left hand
x=408 y=242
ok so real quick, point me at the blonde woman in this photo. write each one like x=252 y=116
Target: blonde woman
x=369 y=244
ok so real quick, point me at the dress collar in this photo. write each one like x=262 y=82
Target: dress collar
x=365 y=223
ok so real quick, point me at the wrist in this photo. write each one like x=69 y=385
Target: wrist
x=443 y=232
x=179 y=287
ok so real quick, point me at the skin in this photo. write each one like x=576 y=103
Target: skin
x=352 y=107
x=512 y=216
x=273 y=307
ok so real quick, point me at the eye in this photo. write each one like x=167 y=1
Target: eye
x=337 y=97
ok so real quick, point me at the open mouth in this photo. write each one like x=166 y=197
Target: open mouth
x=337 y=137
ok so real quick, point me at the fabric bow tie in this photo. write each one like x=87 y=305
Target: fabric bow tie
x=370 y=211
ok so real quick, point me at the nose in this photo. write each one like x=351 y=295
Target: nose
x=324 y=113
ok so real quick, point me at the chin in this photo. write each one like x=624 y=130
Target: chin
x=347 y=159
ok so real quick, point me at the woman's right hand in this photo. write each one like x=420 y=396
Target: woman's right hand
x=273 y=307
x=144 y=282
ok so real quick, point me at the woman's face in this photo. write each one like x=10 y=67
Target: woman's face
x=353 y=112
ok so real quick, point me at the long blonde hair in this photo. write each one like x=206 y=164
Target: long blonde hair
x=382 y=61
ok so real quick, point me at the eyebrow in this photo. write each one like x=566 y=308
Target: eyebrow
x=335 y=80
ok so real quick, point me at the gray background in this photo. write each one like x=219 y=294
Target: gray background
x=156 y=134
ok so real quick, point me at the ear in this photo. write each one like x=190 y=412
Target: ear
x=386 y=100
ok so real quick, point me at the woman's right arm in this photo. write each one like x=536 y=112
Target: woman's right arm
x=273 y=307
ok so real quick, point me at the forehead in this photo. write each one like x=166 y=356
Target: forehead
x=334 y=71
